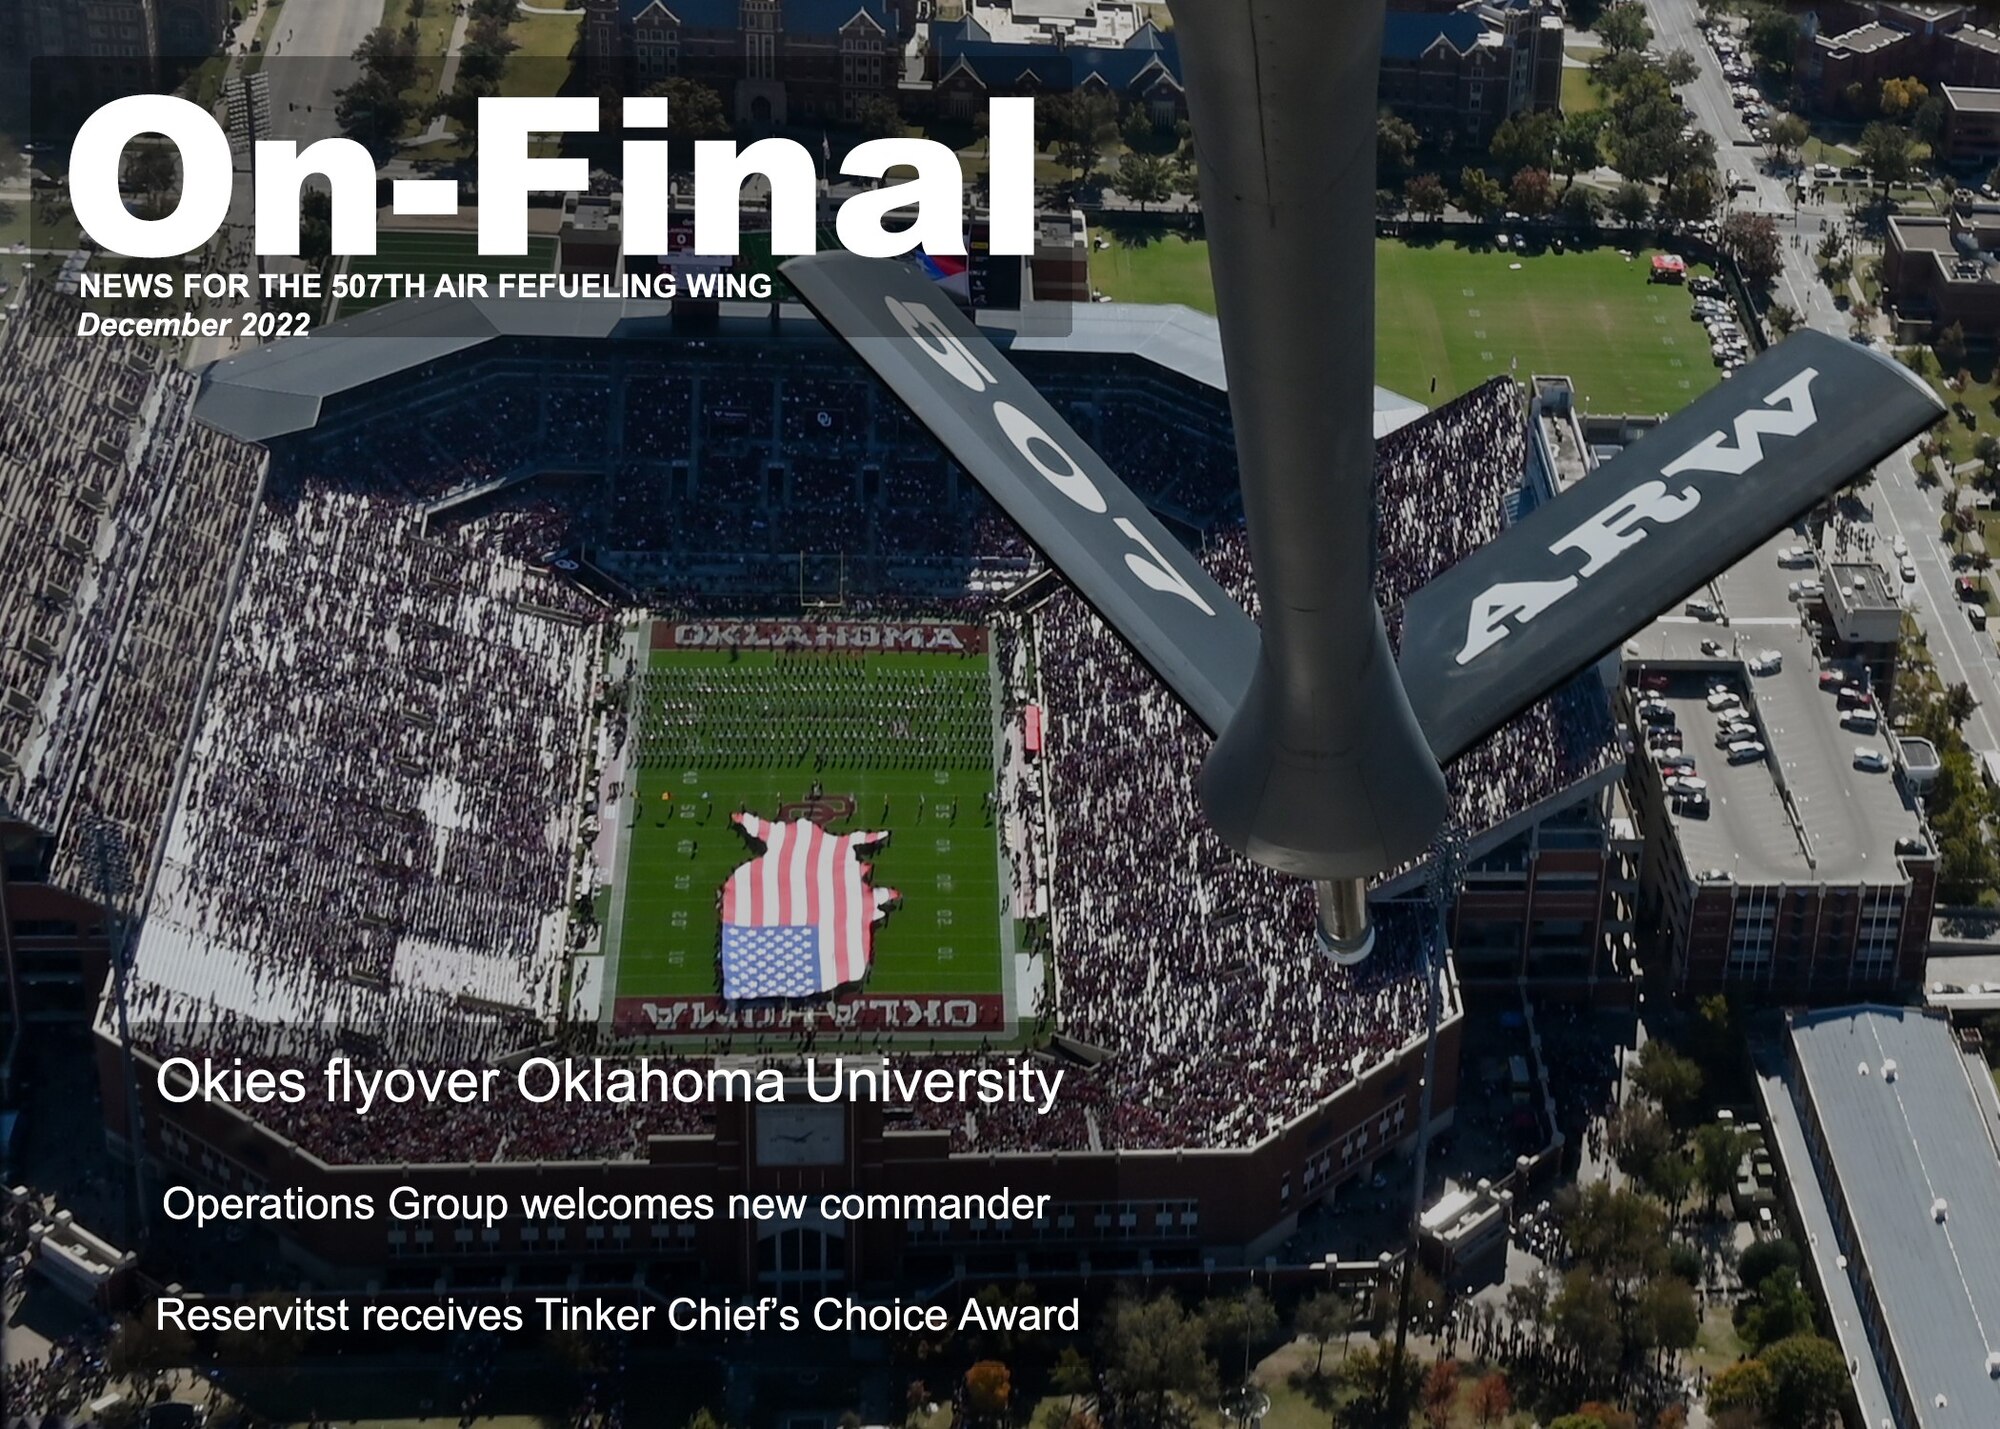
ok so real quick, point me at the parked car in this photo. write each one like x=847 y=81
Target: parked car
x=1732 y=732
x=1747 y=751
x=1767 y=662
x=1872 y=760
x=1720 y=700
x=1702 y=609
x=1806 y=590
x=1860 y=721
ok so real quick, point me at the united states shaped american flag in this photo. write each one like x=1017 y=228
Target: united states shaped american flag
x=798 y=919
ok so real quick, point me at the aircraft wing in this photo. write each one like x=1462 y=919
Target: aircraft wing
x=1069 y=503
x=1576 y=577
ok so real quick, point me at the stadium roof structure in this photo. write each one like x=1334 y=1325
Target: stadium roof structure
x=277 y=390
x=1905 y=1126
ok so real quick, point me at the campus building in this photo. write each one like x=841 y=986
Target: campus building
x=774 y=62
x=1899 y=1118
x=1456 y=75
x=1937 y=271
x=1848 y=49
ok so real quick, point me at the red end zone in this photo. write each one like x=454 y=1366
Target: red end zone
x=857 y=635
x=913 y=1012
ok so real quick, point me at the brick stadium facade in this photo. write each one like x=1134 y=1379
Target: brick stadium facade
x=1111 y=1214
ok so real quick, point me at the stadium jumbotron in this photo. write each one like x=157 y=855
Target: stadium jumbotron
x=426 y=736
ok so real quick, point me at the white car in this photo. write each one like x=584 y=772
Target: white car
x=1806 y=590
x=1720 y=700
x=1747 y=751
x=1909 y=571
x=1767 y=662
x=1688 y=784
x=1872 y=760
x=1795 y=556
x=1734 y=732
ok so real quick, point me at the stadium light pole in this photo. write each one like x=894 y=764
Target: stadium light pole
x=1323 y=772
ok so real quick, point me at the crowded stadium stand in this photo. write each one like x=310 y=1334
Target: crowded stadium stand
x=380 y=838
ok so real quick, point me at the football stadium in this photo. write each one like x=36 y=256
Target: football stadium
x=445 y=688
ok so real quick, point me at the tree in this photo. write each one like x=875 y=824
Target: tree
x=1671 y=1319
x=1479 y=193
x=1242 y=1321
x=1670 y=1177
x=1623 y=28
x=1779 y=1310
x=1808 y=1382
x=1717 y=1151
x=877 y=117
x=1773 y=37
x=1440 y=1393
x=1900 y=97
x=1607 y=1416
x=1424 y=195
x=1950 y=347
x=1527 y=139
x=1753 y=240
x=1885 y=151
x=1578 y=146
x=1585 y=1320
x=1492 y=1401
x=696 y=108
x=1695 y=197
x=1371 y=1372
x=1532 y=193
x=1680 y=68
x=1787 y=135
x=1396 y=143
x=1321 y=1317
x=1582 y=207
x=1959 y=702
x=1743 y=1387
x=1152 y=1352
x=1143 y=179
x=1080 y=122
x=1631 y=203
x=1783 y=318
x=1640 y=1137
x=989 y=1391
x=1672 y=1080
x=373 y=113
x=1072 y=1375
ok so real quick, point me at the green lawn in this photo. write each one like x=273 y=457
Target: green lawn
x=1580 y=94
x=541 y=65
x=1462 y=315
x=433 y=252
x=743 y=742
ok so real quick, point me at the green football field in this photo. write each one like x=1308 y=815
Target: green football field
x=432 y=252
x=1462 y=315
x=718 y=734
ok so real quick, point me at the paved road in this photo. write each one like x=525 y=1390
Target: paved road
x=309 y=63
x=1898 y=506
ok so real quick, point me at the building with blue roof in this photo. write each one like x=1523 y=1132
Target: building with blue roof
x=1456 y=75
x=967 y=68
x=773 y=62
